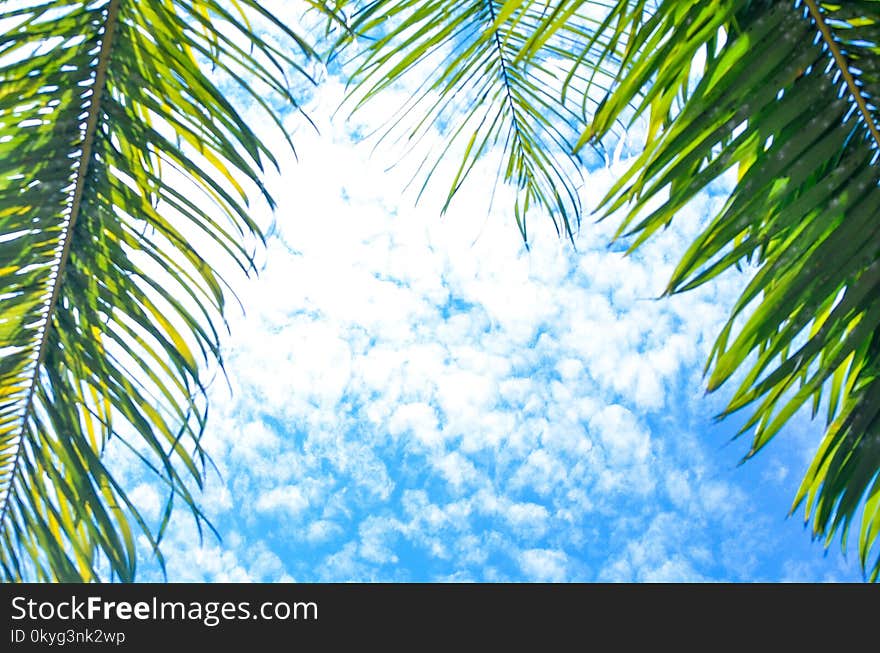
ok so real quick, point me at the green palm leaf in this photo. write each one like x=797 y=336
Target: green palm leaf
x=121 y=183
x=790 y=100
x=472 y=85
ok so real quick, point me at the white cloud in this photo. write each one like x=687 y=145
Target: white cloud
x=544 y=565
x=322 y=531
x=289 y=499
x=417 y=398
x=146 y=498
x=625 y=442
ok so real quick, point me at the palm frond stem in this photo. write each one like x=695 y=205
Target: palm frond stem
x=82 y=169
x=843 y=66
x=516 y=141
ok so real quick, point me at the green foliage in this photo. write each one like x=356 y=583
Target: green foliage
x=474 y=87
x=118 y=155
x=789 y=100
x=109 y=312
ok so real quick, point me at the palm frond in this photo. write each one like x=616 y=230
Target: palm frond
x=789 y=97
x=474 y=87
x=122 y=173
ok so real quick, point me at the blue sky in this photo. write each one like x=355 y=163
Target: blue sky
x=417 y=398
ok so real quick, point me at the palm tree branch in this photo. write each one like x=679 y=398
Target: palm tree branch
x=484 y=99
x=787 y=100
x=517 y=136
x=76 y=203
x=505 y=79
x=109 y=291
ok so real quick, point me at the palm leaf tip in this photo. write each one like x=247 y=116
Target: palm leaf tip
x=485 y=83
x=118 y=152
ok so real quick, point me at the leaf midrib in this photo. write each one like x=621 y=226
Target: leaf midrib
x=842 y=65
x=82 y=170
x=505 y=78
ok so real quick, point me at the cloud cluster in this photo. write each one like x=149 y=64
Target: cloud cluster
x=417 y=398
